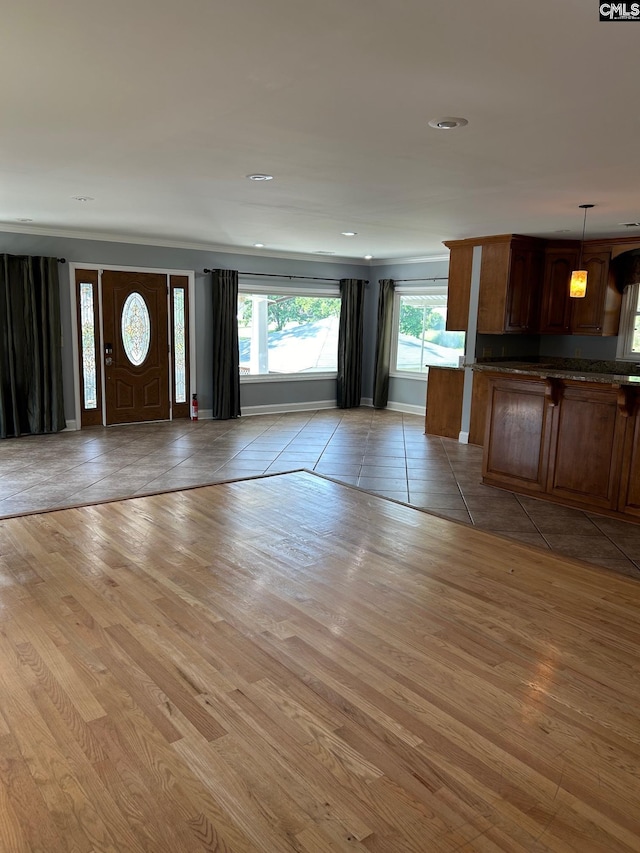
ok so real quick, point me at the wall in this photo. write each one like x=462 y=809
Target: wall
x=404 y=393
x=138 y=255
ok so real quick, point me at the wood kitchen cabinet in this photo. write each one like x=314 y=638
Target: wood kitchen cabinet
x=516 y=440
x=555 y=307
x=629 y=495
x=510 y=283
x=459 y=288
x=598 y=313
x=587 y=436
x=444 y=401
x=569 y=441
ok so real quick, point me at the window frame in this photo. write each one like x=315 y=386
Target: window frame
x=438 y=289
x=629 y=310
x=282 y=287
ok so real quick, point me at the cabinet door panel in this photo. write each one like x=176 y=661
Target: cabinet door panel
x=629 y=501
x=587 y=313
x=459 y=288
x=444 y=401
x=524 y=285
x=586 y=447
x=555 y=308
x=515 y=435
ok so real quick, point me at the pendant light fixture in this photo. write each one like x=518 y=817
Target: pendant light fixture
x=578 y=283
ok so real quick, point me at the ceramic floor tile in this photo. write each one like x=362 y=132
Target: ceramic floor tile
x=384 y=471
x=437 y=501
x=387 y=483
x=503 y=521
x=583 y=547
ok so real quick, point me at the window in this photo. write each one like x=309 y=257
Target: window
x=420 y=338
x=288 y=332
x=629 y=337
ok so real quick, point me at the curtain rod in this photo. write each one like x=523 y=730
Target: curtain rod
x=276 y=275
x=435 y=278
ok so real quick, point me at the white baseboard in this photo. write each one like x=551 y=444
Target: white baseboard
x=406 y=408
x=463 y=438
x=72 y=426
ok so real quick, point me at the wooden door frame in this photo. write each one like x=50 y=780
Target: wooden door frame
x=191 y=281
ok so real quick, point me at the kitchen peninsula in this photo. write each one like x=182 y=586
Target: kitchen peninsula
x=565 y=430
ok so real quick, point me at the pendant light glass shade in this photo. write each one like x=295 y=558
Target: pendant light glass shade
x=578 y=283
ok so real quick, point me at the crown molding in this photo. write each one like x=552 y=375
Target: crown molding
x=428 y=259
x=178 y=244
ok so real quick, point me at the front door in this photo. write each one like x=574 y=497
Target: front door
x=136 y=346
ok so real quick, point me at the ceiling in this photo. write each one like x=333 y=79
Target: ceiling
x=157 y=110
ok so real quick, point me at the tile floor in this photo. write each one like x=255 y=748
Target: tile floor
x=381 y=451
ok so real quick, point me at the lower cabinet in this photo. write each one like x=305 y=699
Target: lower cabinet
x=629 y=501
x=515 y=438
x=576 y=443
x=444 y=401
x=587 y=437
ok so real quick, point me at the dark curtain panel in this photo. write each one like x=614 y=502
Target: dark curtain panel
x=383 y=343
x=350 y=336
x=226 y=359
x=31 y=399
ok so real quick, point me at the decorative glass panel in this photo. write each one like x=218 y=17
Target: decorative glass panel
x=179 y=345
x=88 y=334
x=136 y=328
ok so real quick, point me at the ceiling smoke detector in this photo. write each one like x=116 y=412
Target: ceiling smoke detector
x=448 y=123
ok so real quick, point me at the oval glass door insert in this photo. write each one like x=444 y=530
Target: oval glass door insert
x=136 y=328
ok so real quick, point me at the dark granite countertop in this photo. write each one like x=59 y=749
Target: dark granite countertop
x=579 y=370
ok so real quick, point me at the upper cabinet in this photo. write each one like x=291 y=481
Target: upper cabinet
x=510 y=283
x=524 y=287
x=598 y=313
x=459 y=288
x=555 y=306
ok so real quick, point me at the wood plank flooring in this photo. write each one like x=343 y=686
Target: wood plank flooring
x=289 y=663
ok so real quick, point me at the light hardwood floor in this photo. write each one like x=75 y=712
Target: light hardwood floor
x=289 y=663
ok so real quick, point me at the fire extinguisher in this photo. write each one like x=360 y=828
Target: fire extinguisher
x=194 y=407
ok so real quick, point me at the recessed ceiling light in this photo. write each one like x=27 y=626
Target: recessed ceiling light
x=321 y=252
x=448 y=123
x=368 y=257
x=23 y=219
x=83 y=198
x=630 y=224
x=260 y=177
x=349 y=233
x=259 y=245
